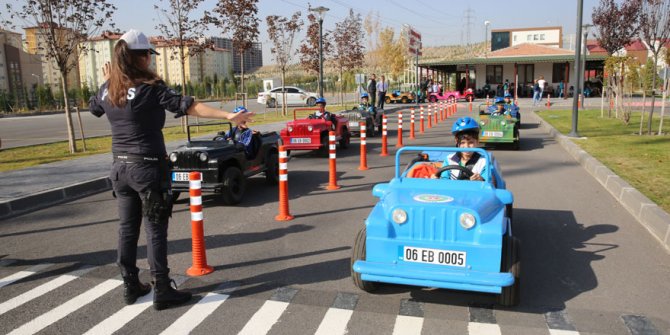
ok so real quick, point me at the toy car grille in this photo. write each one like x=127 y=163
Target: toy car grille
x=189 y=160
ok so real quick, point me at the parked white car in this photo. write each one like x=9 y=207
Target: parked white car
x=294 y=96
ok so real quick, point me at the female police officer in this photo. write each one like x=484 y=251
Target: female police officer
x=135 y=99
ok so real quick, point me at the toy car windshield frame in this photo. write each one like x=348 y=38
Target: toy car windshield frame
x=482 y=152
x=203 y=124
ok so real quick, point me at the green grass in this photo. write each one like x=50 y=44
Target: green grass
x=23 y=157
x=643 y=161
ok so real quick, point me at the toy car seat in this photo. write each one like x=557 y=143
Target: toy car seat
x=423 y=169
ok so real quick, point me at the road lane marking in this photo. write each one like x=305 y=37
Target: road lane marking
x=407 y=325
x=263 y=320
x=68 y=307
x=478 y=328
x=42 y=289
x=23 y=274
x=639 y=325
x=338 y=315
x=201 y=310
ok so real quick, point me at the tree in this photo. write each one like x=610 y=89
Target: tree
x=655 y=31
x=309 y=49
x=616 y=26
x=349 y=51
x=63 y=25
x=392 y=52
x=372 y=26
x=282 y=32
x=239 y=17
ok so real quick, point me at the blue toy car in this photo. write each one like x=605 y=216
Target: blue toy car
x=452 y=234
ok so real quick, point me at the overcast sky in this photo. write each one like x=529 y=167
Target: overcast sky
x=440 y=22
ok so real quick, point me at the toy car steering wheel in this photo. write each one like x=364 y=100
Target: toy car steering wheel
x=465 y=172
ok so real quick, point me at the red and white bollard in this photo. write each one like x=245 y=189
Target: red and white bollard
x=364 y=152
x=430 y=116
x=384 y=136
x=284 y=214
x=438 y=110
x=332 y=165
x=488 y=103
x=548 y=101
x=421 y=126
x=399 y=143
x=200 y=266
x=411 y=124
x=470 y=103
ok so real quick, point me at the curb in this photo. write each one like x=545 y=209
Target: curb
x=53 y=197
x=645 y=211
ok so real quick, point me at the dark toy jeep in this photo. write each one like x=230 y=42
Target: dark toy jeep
x=225 y=164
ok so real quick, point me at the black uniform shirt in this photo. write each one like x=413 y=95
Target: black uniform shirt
x=137 y=126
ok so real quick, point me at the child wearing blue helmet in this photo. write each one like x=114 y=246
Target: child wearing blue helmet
x=365 y=105
x=466 y=134
x=243 y=134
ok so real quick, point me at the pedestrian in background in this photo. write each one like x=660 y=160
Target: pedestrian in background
x=135 y=99
x=382 y=87
x=372 y=88
x=542 y=83
x=537 y=93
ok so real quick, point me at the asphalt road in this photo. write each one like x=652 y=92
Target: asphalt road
x=587 y=266
x=30 y=130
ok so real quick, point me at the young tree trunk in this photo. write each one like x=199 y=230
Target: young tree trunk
x=284 y=111
x=242 y=79
x=653 y=94
x=665 y=94
x=182 y=60
x=68 y=116
x=644 y=104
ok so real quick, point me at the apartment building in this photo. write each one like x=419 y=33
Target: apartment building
x=216 y=61
x=36 y=45
x=19 y=71
x=547 y=36
x=253 y=58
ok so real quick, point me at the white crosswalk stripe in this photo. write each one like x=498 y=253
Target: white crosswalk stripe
x=264 y=318
x=65 y=309
x=478 y=328
x=23 y=274
x=562 y=332
x=123 y=316
x=196 y=314
x=407 y=325
x=334 y=322
x=41 y=290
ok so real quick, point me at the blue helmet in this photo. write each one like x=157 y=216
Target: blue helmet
x=464 y=124
x=508 y=95
x=320 y=101
x=239 y=109
x=364 y=95
x=499 y=100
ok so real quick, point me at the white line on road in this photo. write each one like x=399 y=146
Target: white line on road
x=264 y=318
x=194 y=316
x=41 y=290
x=478 y=328
x=407 y=325
x=334 y=322
x=23 y=274
x=562 y=332
x=123 y=316
x=68 y=307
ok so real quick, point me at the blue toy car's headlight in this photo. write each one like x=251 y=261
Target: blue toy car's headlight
x=399 y=216
x=467 y=220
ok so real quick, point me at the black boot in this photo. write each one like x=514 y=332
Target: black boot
x=134 y=289
x=166 y=296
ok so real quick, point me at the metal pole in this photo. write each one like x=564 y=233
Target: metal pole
x=418 y=79
x=575 y=111
x=321 y=57
x=582 y=72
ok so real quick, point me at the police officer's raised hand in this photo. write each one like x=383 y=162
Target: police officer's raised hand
x=106 y=69
x=238 y=118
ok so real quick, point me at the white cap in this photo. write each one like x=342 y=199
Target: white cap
x=138 y=41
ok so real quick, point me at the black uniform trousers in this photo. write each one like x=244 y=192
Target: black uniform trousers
x=131 y=183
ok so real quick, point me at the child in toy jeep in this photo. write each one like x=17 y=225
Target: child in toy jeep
x=443 y=233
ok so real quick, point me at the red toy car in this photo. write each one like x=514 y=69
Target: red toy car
x=452 y=96
x=312 y=133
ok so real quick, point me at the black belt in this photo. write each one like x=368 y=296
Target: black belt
x=134 y=158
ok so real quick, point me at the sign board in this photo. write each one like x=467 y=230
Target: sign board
x=413 y=39
x=360 y=78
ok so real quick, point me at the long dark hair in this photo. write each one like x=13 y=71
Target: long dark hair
x=126 y=72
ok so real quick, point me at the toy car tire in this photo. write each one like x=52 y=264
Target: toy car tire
x=388 y=100
x=272 y=169
x=346 y=138
x=234 y=186
x=311 y=102
x=517 y=140
x=272 y=103
x=359 y=254
x=323 y=149
x=511 y=262
x=370 y=130
x=403 y=100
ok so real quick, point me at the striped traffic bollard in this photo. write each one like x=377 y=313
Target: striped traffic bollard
x=443 y=115
x=437 y=111
x=364 y=152
x=200 y=266
x=488 y=103
x=399 y=143
x=579 y=101
x=430 y=116
x=548 y=101
x=284 y=214
x=421 y=127
x=470 y=103
x=411 y=124
x=332 y=167
x=384 y=136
